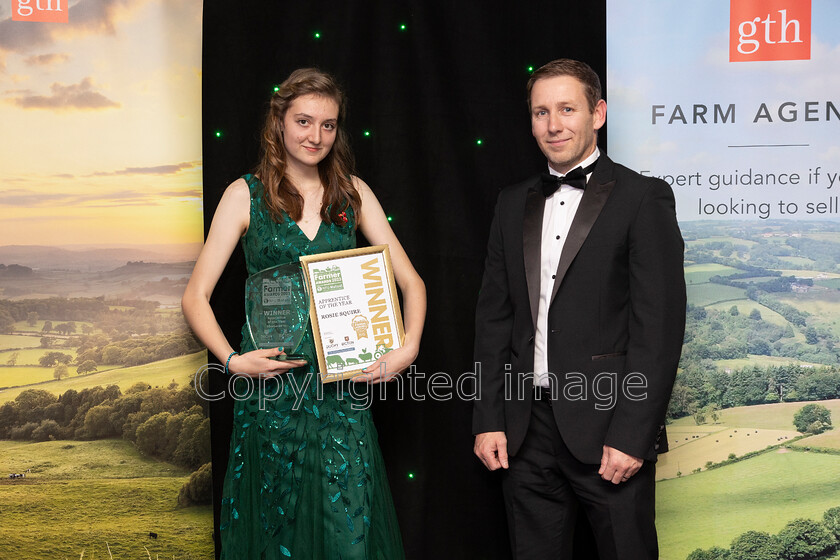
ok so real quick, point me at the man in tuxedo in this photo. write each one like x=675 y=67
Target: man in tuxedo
x=579 y=328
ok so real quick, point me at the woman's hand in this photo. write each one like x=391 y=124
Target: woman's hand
x=388 y=366
x=259 y=362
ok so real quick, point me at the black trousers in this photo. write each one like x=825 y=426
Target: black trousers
x=545 y=485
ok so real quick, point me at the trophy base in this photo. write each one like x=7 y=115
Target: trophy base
x=285 y=357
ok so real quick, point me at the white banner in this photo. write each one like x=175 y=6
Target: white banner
x=736 y=104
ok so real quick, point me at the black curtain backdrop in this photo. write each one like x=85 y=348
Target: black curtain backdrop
x=427 y=94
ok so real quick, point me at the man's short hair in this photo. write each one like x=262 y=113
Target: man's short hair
x=574 y=68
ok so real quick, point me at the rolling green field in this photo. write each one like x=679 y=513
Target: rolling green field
x=824 y=235
x=81 y=495
x=830 y=439
x=681 y=435
x=700 y=273
x=8 y=341
x=808 y=273
x=30 y=356
x=822 y=303
x=762 y=361
x=797 y=261
x=833 y=283
x=707 y=294
x=724 y=238
x=158 y=374
x=24 y=326
x=746 y=305
x=777 y=416
x=740 y=431
x=26 y=375
x=691 y=450
x=763 y=493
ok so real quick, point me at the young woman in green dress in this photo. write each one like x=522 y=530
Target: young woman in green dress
x=303 y=481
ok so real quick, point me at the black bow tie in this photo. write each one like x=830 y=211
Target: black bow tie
x=575 y=178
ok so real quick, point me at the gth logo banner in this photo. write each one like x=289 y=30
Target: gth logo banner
x=54 y=11
x=769 y=30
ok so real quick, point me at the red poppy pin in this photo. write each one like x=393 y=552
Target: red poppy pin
x=342 y=219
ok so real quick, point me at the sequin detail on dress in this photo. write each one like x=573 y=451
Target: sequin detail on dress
x=305 y=478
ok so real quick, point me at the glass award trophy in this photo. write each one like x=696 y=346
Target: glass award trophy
x=277 y=308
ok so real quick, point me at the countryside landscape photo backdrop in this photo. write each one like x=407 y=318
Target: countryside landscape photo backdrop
x=749 y=145
x=104 y=444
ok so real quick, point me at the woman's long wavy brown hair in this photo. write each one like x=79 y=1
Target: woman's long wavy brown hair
x=335 y=170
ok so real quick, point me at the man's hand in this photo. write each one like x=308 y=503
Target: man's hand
x=491 y=448
x=617 y=466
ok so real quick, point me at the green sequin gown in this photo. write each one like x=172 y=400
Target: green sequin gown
x=307 y=483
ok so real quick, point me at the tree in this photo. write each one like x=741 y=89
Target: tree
x=35 y=398
x=138 y=387
x=712 y=410
x=714 y=553
x=807 y=417
x=831 y=520
x=52 y=358
x=791 y=396
x=98 y=422
x=60 y=371
x=7 y=322
x=23 y=433
x=193 y=442
x=31 y=318
x=759 y=346
x=113 y=354
x=199 y=489
x=819 y=385
x=48 y=326
x=47 y=341
x=137 y=357
x=48 y=430
x=771 y=397
x=9 y=417
x=806 y=539
x=66 y=328
x=13 y=358
x=86 y=367
x=754 y=545
x=755 y=314
x=682 y=401
x=170 y=435
x=150 y=434
x=133 y=420
x=734 y=312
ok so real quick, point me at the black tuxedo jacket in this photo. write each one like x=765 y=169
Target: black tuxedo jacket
x=617 y=311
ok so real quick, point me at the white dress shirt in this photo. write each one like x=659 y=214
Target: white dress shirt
x=560 y=209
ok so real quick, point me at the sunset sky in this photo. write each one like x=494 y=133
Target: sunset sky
x=100 y=125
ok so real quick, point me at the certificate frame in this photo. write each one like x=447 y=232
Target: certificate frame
x=354 y=309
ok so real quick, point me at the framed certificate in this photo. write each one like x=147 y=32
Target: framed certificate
x=355 y=311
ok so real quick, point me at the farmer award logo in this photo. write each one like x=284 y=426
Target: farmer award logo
x=327 y=279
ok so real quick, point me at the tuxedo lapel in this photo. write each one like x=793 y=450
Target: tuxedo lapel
x=591 y=204
x=531 y=239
